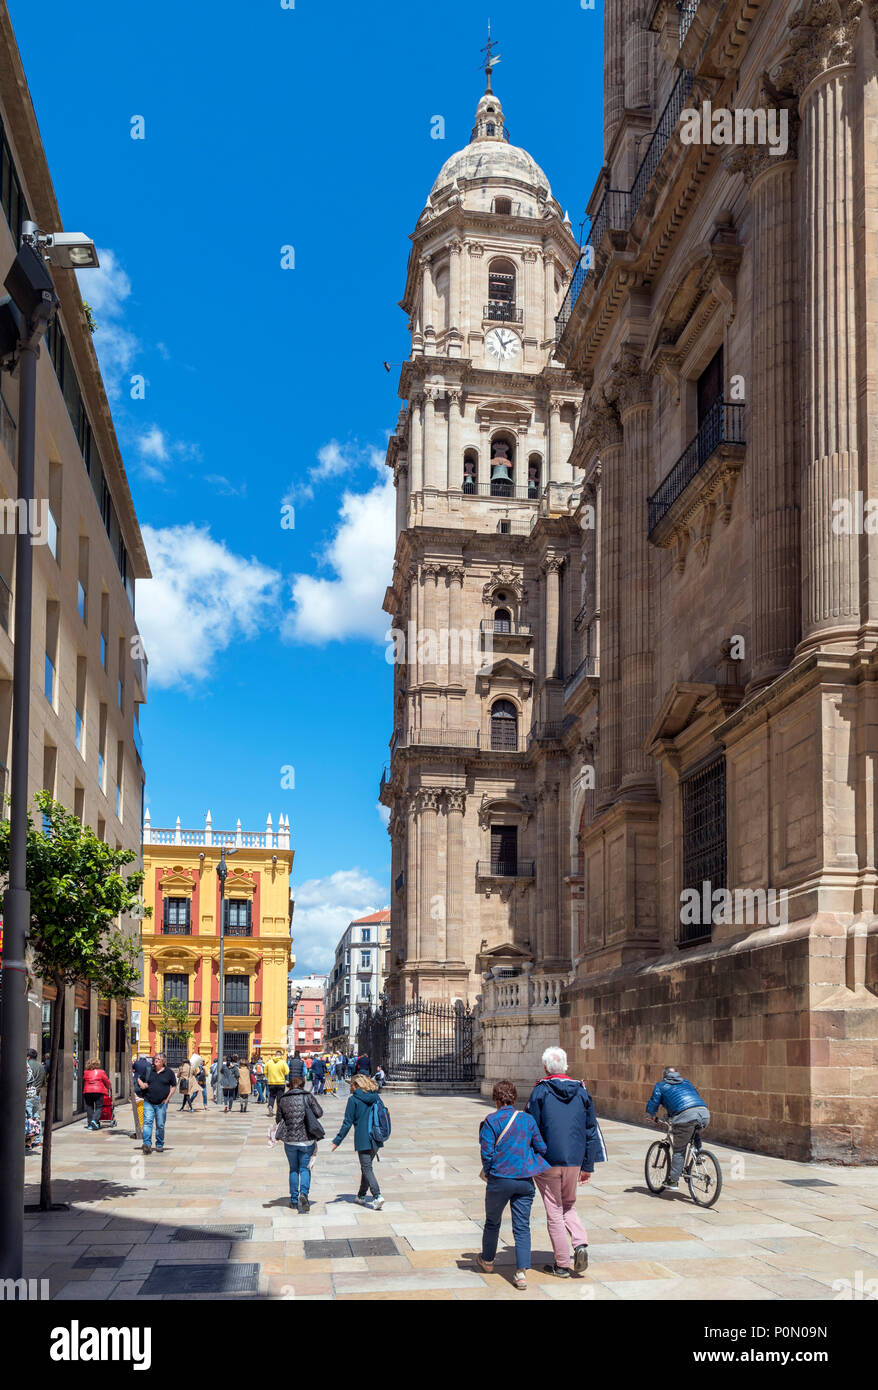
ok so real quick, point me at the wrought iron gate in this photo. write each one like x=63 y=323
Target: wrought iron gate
x=421 y=1041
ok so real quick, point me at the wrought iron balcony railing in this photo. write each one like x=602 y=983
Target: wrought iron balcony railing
x=508 y=526
x=498 y=311
x=503 y=627
x=238 y=1008
x=238 y=929
x=687 y=10
x=618 y=208
x=505 y=868
x=193 y=1006
x=499 y=488
x=723 y=424
x=176 y=929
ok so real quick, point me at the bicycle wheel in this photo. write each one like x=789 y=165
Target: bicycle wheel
x=657 y=1166
x=705 y=1178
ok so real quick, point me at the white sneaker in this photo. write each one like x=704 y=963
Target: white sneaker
x=378 y=1204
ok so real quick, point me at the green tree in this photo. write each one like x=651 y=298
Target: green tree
x=77 y=895
x=173 y=1019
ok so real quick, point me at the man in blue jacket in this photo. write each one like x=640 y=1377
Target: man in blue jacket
x=685 y=1109
x=564 y=1114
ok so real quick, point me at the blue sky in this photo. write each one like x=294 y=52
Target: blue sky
x=267 y=128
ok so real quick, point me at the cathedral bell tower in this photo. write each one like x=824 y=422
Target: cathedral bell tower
x=480 y=453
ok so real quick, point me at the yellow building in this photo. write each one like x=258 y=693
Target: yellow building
x=181 y=943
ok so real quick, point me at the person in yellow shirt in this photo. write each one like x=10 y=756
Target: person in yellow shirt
x=276 y=1073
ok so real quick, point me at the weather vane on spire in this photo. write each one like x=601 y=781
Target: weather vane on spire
x=490 y=60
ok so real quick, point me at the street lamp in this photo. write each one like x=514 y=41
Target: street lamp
x=24 y=318
x=222 y=874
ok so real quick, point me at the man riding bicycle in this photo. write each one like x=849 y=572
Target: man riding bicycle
x=686 y=1111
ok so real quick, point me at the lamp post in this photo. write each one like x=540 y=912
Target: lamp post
x=222 y=874
x=24 y=318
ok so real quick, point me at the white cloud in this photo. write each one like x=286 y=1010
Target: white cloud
x=106 y=290
x=154 y=445
x=202 y=597
x=333 y=460
x=324 y=908
x=361 y=554
x=383 y=814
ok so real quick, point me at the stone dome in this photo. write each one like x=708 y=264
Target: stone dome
x=489 y=155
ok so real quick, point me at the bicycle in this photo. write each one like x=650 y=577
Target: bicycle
x=701 y=1168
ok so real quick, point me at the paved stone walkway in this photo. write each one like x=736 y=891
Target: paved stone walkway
x=781 y=1230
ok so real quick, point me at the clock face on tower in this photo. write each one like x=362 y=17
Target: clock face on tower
x=502 y=345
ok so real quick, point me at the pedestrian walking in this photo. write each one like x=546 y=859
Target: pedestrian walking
x=564 y=1114
x=363 y=1064
x=229 y=1083
x=95 y=1086
x=257 y=1073
x=318 y=1074
x=157 y=1090
x=351 y=1066
x=296 y=1066
x=244 y=1086
x=358 y=1113
x=35 y=1081
x=300 y=1130
x=187 y=1085
x=512 y=1151
x=276 y=1073
x=200 y=1067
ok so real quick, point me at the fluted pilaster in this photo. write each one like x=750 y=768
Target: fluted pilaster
x=428 y=812
x=455 y=804
x=601 y=433
x=614 y=67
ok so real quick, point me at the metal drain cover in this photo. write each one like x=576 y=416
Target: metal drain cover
x=327 y=1249
x=208 y=1278
x=213 y=1233
x=374 y=1245
x=99 y=1262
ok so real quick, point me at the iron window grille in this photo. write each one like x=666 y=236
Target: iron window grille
x=704 y=839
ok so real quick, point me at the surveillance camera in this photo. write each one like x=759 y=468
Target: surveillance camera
x=274 y=859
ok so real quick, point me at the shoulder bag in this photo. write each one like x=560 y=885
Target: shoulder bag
x=483 y=1175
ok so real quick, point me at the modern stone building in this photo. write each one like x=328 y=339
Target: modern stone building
x=486 y=584
x=181 y=940
x=723 y=326
x=88 y=669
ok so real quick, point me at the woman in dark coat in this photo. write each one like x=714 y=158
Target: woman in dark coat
x=297 y=1116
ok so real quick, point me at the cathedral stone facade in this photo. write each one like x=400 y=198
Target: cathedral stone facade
x=681 y=594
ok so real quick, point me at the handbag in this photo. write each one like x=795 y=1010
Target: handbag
x=184 y=1084
x=483 y=1175
x=313 y=1127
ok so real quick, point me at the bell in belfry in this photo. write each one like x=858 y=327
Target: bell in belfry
x=501 y=464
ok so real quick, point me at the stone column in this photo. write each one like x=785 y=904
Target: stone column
x=429 y=299
x=455 y=804
x=454 y=315
x=549 y=878
x=413 y=627
x=454 y=467
x=402 y=495
x=774 y=416
x=431 y=470
x=430 y=576
x=639 y=41
x=632 y=391
x=555 y=463
x=416 y=461
x=820 y=69
x=614 y=67
x=550 y=307
x=456 y=575
x=603 y=434
x=428 y=809
x=551 y=568
x=412 y=884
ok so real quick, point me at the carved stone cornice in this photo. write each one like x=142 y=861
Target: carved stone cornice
x=599 y=428
x=629 y=385
x=823 y=35
x=553 y=564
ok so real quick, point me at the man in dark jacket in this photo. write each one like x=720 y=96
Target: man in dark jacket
x=687 y=1112
x=296 y=1066
x=364 y=1065
x=318 y=1073
x=564 y=1114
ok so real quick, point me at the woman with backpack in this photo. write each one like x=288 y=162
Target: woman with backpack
x=358 y=1112
x=299 y=1127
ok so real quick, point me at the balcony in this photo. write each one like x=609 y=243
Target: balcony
x=443 y=738
x=509 y=492
x=176 y=929
x=193 y=1006
x=537 y=996
x=507 y=526
x=238 y=1008
x=238 y=929
x=721 y=429
x=498 y=311
x=505 y=868
x=549 y=731
x=505 y=628
x=586 y=670
x=687 y=10
x=618 y=208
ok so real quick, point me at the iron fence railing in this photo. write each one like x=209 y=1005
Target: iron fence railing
x=498 y=311
x=193 y=1006
x=238 y=1008
x=502 y=627
x=420 y=1041
x=618 y=207
x=723 y=424
x=505 y=868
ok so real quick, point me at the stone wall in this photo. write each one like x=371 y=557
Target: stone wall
x=783 y=1051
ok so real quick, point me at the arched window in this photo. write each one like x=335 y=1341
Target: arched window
x=490 y=128
x=503 y=206
x=534 y=475
x=504 y=726
x=502 y=620
x=470 y=471
x=501 y=289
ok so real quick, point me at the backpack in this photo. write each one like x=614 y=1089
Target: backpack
x=379 y=1123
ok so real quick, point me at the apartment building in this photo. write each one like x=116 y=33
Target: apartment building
x=355 y=981
x=88 y=672
x=306 y=1015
